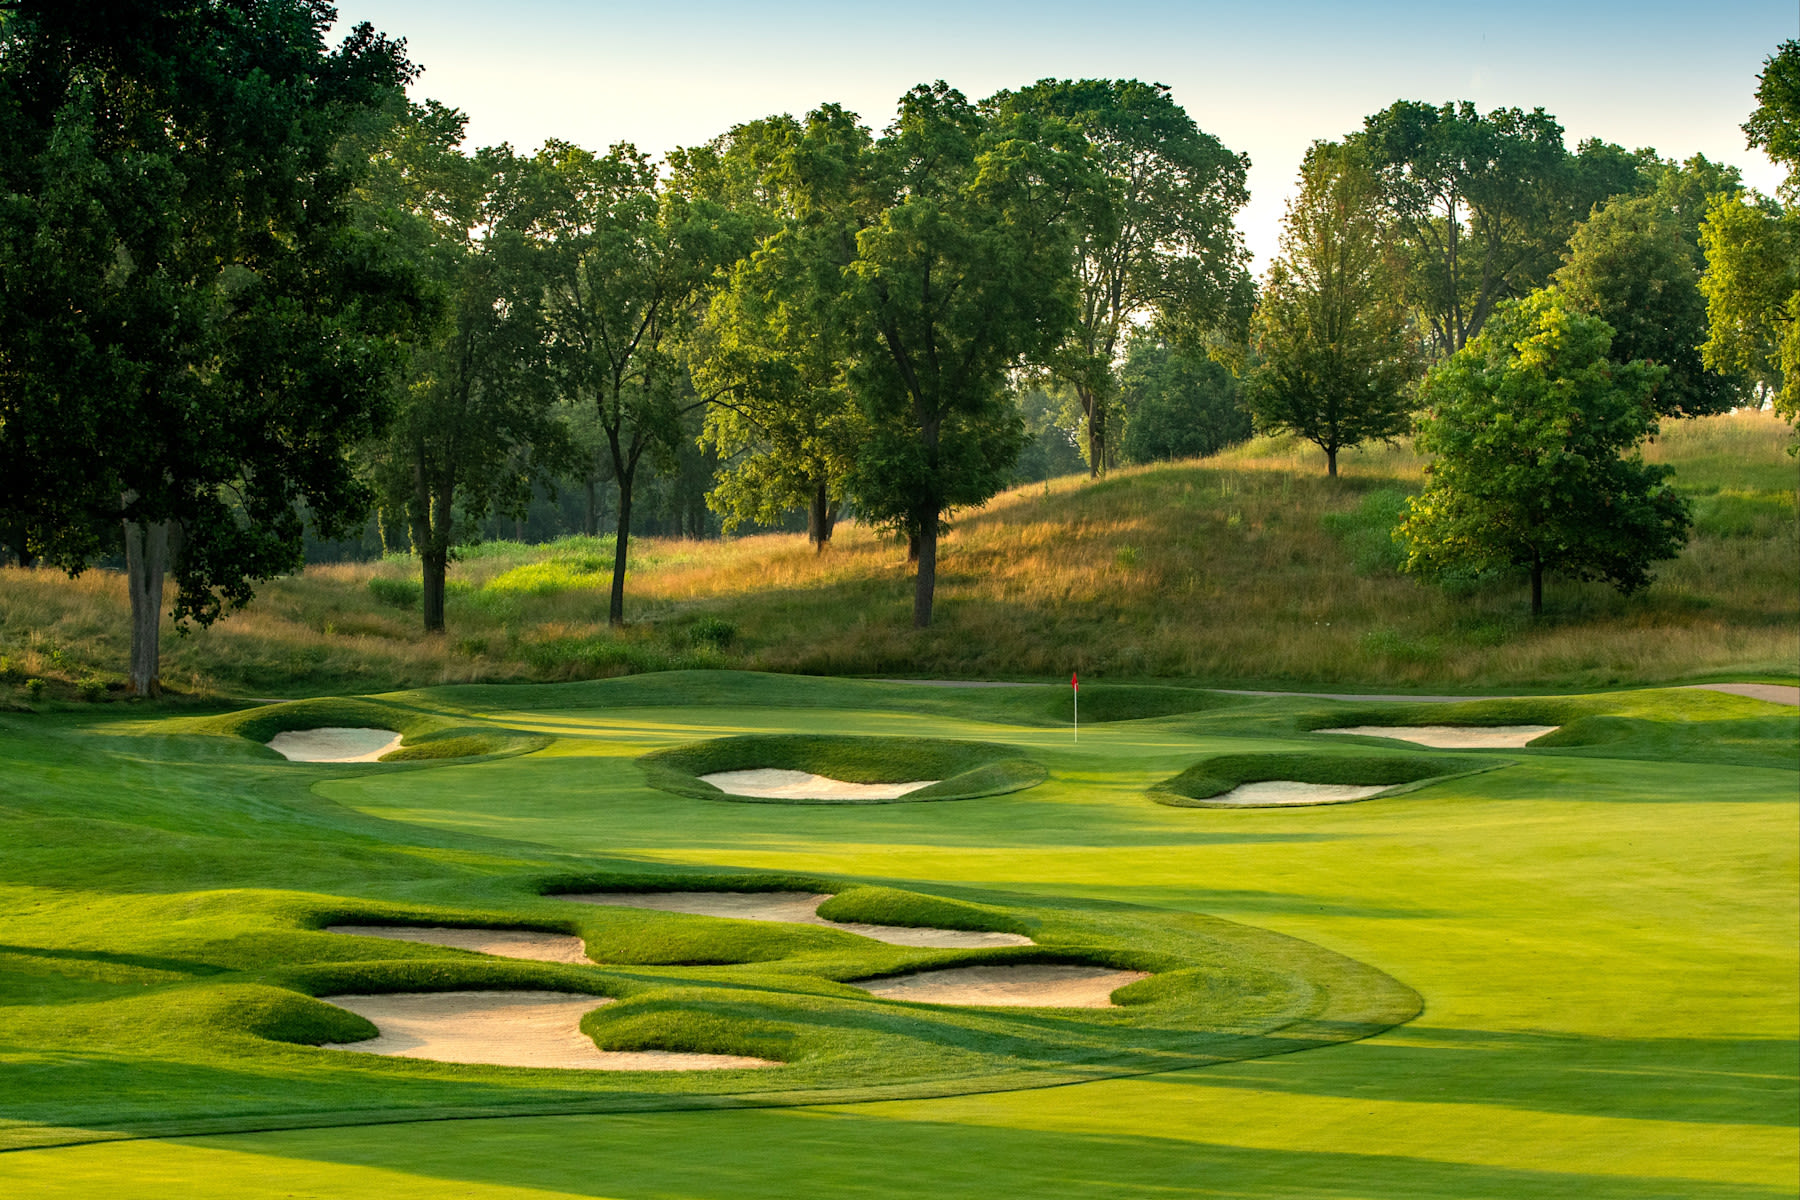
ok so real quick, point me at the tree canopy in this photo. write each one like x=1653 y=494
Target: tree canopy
x=1534 y=431
x=194 y=329
x=1157 y=239
x=1333 y=352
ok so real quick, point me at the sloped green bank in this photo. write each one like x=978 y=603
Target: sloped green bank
x=963 y=770
x=1211 y=777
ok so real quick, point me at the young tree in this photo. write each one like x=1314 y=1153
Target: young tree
x=964 y=275
x=1176 y=404
x=623 y=264
x=1157 y=239
x=1752 y=245
x=1334 y=354
x=1535 y=431
x=193 y=329
x=473 y=427
x=1630 y=265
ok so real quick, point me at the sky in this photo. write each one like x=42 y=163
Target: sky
x=1265 y=79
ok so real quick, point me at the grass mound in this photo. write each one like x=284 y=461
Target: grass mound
x=1210 y=777
x=964 y=770
x=426 y=735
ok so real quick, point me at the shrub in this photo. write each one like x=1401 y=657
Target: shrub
x=400 y=593
x=34 y=689
x=713 y=631
x=92 y=690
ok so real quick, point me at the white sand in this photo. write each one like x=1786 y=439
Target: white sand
x=507 y=1029
x=335 y=743
x=1030 y=985
x=1285 y=793
x=506 y=943
x=1454 y=737
x=767 y=783
x=799 y=908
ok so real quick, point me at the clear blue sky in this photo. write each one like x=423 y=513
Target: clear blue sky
x=1265 y=80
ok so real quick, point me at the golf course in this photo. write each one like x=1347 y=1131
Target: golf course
x=1564 y=967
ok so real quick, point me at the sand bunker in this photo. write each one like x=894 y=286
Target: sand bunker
x=1031 y=985
x=334 y=743
x=1774 y=693
x=771 y=784
x=800 y=908
x=1454 y=737
x=507 y=1029
x=1285 y=793
x=505 y=943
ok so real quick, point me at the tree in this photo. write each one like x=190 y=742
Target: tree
x=1158 y=238
x=473 y=427
x=1334 y=354
x=1177 y=405
x=1535 y=431
x=193 y=327
x=1752 y=246
x=623 y=264
x=1483 y=204
x=773 y=352
x=964 y=275
x=1630 y=265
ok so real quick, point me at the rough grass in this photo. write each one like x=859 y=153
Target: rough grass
x=1247 y=569
x=962 y=770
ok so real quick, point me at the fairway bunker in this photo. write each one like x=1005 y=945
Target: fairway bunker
x=797 y=908
x=839 y=769
x=502 y=943
x=1287 y=793
x=334 y=744
x=1025 y=985
x=768 y=783
x=507 y=1029
x=1453 y=737
x=1308 y=779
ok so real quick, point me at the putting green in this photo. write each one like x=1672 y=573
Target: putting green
x=1603 y=934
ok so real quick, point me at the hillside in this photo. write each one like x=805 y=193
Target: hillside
x=1246 y=569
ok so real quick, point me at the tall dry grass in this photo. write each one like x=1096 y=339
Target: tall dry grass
x=1243 y=569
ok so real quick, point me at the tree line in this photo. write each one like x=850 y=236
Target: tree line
x=249 y=285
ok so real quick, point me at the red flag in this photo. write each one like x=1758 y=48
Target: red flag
x=1074 y=681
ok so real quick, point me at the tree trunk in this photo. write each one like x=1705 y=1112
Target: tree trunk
x=146 y=561
x=615 y=612
x=16 y=538
x=925 y=586
x=1331 y=462
x=1537 y=584
x=1096 y=423
x=590 y=520
x=912 y=546
x=434 y=564
x=820 y=517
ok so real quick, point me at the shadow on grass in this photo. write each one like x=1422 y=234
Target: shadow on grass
x=765 y=1156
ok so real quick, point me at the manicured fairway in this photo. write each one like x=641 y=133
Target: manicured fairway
x=1603 y=934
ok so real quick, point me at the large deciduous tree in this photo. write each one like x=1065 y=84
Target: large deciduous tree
x=474 y=426
x=964 y=275
x=623 y=263
x=1177 y=404
x=193 y=327
x=1535 y=430
x=1334 y=355
x=1484 y=204
x=1752 y=246
x=774 y=351
x=1157 y=239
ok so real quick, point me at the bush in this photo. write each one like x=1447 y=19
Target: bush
x=400 y=593
x=713 y=631
x=92 y=690
x=34 y=689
